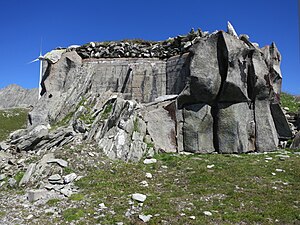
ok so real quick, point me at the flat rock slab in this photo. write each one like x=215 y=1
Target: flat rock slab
x=69 y=178
x=266 y=134
x=161 y=128
x=149 y=161
x=55 y=179
x=235 y=128
x=198 y=129
x=60 y=162
x=34 y=195
x=25 y=179
x=145 y=218
x=139 y=197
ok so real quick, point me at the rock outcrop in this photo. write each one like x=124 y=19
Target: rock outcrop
x=199 y=93
x=14 y=96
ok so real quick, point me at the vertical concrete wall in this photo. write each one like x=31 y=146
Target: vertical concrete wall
x=140 y=79
x=177 y=73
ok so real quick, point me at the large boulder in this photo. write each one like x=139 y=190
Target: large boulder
x=235 y=87
x=260 y=72
x=273 y=59
x=235 y=128
x=58 y=79
x=266 y=134
x=205 y=76
x=198 y=129
x=161 y=128
x=281 y=123
x=296 y=142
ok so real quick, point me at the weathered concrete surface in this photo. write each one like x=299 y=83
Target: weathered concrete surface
x=177 y=73
x=139 y=79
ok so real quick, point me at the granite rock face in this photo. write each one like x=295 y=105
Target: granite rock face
x=198 y=129
x=199 y=93
x=14 y=96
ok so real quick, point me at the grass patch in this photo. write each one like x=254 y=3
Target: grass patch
x=53 y=202
x=107 y=111
x=150 y=145
x=136 y=125
x=288 y=100
x=18 y=176
x=2 y=214
x=11 y=120
x=68 y=170
x=236 y=190
x=76 y=197
x=64 y=122
x=73 y=214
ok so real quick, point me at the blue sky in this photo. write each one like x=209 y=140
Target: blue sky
x=67 y=22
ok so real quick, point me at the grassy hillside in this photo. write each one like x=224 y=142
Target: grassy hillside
x=194 y=189
x=290 y=101
x=11 y=120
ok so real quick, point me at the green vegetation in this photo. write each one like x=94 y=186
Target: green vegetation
x=53 y=202
x=64 y=122
x=18 y=176
x=107 y=111
x=85 y=117
x=11 y=120
x=68 y=170
x=76 y=197
x=73 y=214
x=2 y=214
x=288 y=100
x=244 y=189
x=238 y=189
x=150 y=145
x=136 y=125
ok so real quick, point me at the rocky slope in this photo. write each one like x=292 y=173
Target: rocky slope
x=14 y=96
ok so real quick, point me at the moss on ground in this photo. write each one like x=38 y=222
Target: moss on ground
x=11 y=120
x=238 y=189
